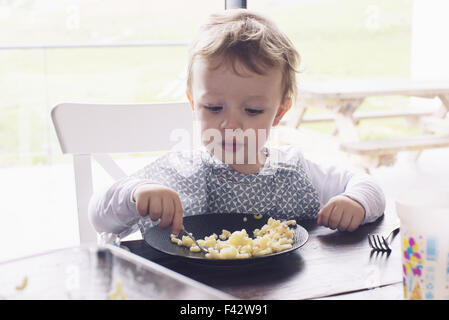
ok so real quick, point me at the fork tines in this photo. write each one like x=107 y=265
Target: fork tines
x=189 y=234
x=376 y=243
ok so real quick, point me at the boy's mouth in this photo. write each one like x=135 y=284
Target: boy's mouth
x=229 y=146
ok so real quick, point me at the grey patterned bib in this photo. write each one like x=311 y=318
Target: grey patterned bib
x=281 y=189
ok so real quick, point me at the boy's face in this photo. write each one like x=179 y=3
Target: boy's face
x=236 y=111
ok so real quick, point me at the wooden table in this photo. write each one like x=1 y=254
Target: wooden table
x=344 y=97
x=331 y=264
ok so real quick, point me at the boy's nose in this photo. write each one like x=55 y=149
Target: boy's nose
x=231 y=121
x=230 y=124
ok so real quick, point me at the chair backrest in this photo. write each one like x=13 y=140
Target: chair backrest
x=93 y=131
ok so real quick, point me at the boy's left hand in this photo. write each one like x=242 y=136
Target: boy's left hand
x=342 y=213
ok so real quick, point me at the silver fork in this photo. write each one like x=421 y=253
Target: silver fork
x=190 y=235
x=379 y=243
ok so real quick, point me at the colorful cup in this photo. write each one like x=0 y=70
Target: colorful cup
x=424 y=220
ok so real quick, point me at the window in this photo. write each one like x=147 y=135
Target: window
x=75 y=51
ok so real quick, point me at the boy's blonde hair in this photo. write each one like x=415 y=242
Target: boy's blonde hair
x=239 y=35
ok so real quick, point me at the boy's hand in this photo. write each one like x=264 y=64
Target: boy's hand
x=160 y=202
x=342 y=213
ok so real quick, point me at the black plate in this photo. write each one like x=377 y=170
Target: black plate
x=207 y=224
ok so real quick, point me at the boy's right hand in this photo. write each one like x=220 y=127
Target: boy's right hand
x=160 y=202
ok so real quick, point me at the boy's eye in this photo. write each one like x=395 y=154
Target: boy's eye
x=214 y=109
x=253 y=112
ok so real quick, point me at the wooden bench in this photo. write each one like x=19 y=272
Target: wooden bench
x=343 y=99
x=435 y=125
x=326 y=117
x=375 y=153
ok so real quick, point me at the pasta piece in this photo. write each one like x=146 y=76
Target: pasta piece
x=213 y=254
x=243 y=256
x=228 y=253
x=195 y=249
x=263 y=252
x=224 y=234
x=174 y=239
x=23 y=285
x=187 y=241
x=118 y=292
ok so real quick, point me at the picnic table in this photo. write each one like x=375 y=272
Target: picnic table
x=344 y=97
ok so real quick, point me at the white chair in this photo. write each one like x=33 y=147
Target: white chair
x=93 y=131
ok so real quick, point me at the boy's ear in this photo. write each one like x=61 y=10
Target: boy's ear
x=189 y=97
x=282 y=110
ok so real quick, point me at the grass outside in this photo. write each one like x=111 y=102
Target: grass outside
x=336 y=39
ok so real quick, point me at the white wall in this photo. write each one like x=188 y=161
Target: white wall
x=430 y=40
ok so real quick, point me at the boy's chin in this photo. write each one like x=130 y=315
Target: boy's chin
x=235 y=158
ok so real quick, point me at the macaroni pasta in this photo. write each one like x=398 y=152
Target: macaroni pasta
x=275 y=236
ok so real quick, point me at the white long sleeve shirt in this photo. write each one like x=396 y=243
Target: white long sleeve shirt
x=288 y=187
